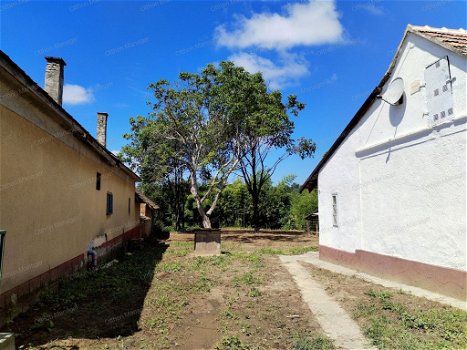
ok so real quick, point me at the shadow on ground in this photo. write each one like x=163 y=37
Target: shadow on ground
x=102 y=304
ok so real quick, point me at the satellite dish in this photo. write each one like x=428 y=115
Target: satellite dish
x=394 y=94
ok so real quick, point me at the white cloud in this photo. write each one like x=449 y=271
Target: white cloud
x=76 y=95
x=291 y=68
x=370 y=8
x=312 y=23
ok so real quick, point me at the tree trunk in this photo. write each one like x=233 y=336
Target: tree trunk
x=199 y=204
x=206 y=221
x=255 y=202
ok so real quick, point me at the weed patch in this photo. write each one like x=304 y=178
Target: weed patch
x=395 y=320
x=307 y=342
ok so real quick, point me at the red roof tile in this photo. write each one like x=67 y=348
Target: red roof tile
x=455 y=39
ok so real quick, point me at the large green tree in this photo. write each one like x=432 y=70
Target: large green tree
x=190 y=126
x=210 y=124
x=267 y=136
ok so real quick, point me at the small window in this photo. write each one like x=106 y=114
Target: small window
x=98 y=181
x=129 y=206
x=334 y=210
x=110 y=203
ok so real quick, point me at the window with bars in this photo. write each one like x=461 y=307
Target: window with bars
x=334 y=210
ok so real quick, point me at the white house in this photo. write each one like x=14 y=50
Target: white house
x=392 y=188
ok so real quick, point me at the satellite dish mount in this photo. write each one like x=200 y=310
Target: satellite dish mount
x=394 y=94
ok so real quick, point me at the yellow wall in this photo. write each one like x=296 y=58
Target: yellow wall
x=49 y=204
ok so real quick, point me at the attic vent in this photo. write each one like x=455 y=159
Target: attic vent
x=439 y=91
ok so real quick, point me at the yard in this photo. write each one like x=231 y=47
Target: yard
x=161 y=297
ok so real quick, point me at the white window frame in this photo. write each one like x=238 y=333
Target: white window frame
x=335 y=212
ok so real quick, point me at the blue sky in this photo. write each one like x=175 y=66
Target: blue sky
x=331 y=54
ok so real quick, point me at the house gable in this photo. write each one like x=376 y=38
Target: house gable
x=431 y=40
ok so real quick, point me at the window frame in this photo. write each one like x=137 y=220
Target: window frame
x=335 y=211
x=109 y=204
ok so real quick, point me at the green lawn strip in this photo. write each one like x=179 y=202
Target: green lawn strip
x=394 y=321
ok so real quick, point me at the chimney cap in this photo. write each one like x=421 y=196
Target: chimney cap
x=104 y=113
x=55 y=60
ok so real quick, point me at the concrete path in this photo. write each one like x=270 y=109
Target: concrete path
x=335 y=322
x=313 y=258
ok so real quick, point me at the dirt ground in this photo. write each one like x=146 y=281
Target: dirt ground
x=163 y=297
x=252 y=241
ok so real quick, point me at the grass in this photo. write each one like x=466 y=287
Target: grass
x=152 y=298
x=392 y=319
x=306 y=342
x=287 y=251
x=394 y=323
x=232 y=343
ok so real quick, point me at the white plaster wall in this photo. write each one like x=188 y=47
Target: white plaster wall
x=401 y=184
x=340 y=175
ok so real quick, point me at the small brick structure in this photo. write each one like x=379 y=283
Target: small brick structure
x=7 y=341
x=207 y=242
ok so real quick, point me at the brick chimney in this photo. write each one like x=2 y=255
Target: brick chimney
x=102 y=127
x=54 y=74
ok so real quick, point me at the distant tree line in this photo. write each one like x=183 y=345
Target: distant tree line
x=282 y=206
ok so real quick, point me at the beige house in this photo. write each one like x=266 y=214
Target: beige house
x=61 y=191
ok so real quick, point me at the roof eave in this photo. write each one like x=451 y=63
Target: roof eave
x=42 y=97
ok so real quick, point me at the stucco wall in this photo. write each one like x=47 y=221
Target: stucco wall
x=401 y=183
x=49 y=204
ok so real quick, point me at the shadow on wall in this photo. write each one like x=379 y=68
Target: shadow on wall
x=396 y=113
x=102 y=304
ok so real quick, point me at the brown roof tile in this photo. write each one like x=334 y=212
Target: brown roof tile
x=456 y=39
x=144 y=199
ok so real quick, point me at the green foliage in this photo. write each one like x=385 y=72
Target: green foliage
x=196 y=129
x=232 y=343
x=203 y=284
x=201 y=129
x=302 y=205
x=305 y=342
x=281 y=207
x=235 y=205
x=393 y=325
x=254 y=292
x=246 y=279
